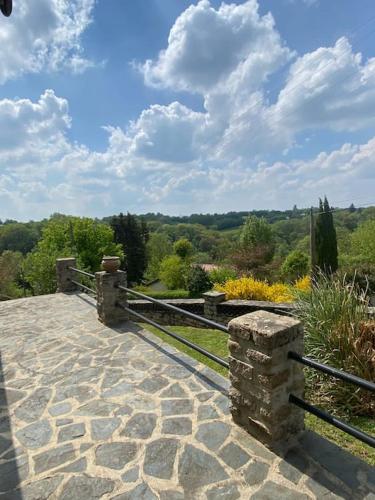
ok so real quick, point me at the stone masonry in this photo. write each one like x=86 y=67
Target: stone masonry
x=211 y=300
x=64 y=275
x=262 y=377
x=109 y=295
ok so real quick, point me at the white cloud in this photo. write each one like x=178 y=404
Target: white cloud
x=44 y=34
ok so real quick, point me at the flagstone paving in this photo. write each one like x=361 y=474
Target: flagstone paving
x=90 y=412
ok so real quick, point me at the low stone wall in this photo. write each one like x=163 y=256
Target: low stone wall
x=225 y=311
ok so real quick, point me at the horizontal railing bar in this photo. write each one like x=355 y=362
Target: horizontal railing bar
x=330 y=419
x=82 y=272
x=208 y=322
x=84 y=286
x=196 y=347
x=347 y=377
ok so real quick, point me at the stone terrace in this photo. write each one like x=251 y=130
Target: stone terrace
x=88 y=411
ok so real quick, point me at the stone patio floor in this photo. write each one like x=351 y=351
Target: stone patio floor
x=90 y=412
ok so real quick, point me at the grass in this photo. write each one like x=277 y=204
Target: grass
x=163 y=294
x=216 y=342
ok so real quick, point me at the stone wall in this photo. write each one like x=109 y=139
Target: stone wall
x=225 y=311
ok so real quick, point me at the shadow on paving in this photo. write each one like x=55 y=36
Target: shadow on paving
x=9 y=466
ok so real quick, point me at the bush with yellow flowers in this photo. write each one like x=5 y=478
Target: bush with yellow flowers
x=249 y=288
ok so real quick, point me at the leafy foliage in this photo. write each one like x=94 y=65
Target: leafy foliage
x=295 y=265
x=198 y=281
x=223 y=274
x=183 y=248
x=363 y=242
x=173 y=272
x=10 y=272
x=325 y=239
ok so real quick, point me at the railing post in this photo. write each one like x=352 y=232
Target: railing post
x=108 y=294
x=211 y=300
x=65 y=274
x=262 y=376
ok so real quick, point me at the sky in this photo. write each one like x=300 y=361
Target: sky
x=183 y=107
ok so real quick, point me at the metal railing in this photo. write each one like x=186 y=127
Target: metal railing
x=327 y=417
x=196 y=317
x=81 y=285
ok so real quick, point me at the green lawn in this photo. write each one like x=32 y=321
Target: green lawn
x=216 y=342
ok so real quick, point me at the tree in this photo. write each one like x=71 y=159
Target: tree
x=63 y=236
x=325 y=239
x=17 y=237
x=10 y=270
x=132 y=236
x=158 y=247
x=173 y=272
x=183 y=248
x=363 y=242
x=198 y=281
x=295 y=265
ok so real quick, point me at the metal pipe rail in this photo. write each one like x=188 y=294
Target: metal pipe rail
x=84 y=287
x=82 y=272
x=330 y=419
x=184 y=341
x=208 y=322
x=334 y=372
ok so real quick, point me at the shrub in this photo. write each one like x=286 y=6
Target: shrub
x=338 y=333
x=173 y=271
x=222 y=274
x=295 y=265
x=183 y=248
x=198 y=281
x=252 y=289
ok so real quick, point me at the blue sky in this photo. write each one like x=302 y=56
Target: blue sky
x=181 y=107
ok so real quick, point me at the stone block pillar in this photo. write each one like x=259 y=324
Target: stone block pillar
x=108 y=294
x=211 y=300
x=262 y=376
x=65 y=275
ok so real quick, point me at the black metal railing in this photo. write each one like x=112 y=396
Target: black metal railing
x=195 y=347
x=81 y=285
x=327 y=417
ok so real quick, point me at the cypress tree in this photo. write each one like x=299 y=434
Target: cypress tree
x=325 y=239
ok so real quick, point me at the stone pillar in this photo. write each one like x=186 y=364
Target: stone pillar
x=65 y=275
x=211 y=300
x=108 y=295
x=262 y=376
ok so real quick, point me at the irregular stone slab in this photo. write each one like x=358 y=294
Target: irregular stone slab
x=63 y=421
x=293 y=465
x=60 y=409
x=140 y=425
x=111 y=377
x=32 y=408
x=86 y=487
x=53 y=458
x=124 y=410
x=115 y=455
x=213 y=434
x=118 y=390
x=97 y=407
x=207 y=412
x=12 y=473
x=79 y=392
x=85 y=446
x=35 y=435
x=174 y=391
x=160 y=457
x=274 y=490
x=223 y=403
x=321 y=486
x=177 y=372
x=227 y=492
x=140 y=402
x=79 y=465
x=178 y=425
x=140 y=492
x=255 y=473
x=171 y=495
x=83 y=375
x=176 y=407
x=234 y=456
x=252 y=446
x=70 y=432
x=131 y=476
x=41 y=489
x=153 y=385
x=103 y=428
x=197 y=468
x=9 y=397
x=4 y=444
x=204 y=396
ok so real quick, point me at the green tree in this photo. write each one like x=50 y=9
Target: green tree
x=17 y=237
x=183 y=248
x=325 y=239
x=198 y=281
x=158 y=247
x=83 y=238
x=10 y=271
x=295 y=265
x=173 y=272
x=363 y=242
x=132 y=235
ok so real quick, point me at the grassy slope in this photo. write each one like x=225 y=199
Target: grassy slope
x=216 y=342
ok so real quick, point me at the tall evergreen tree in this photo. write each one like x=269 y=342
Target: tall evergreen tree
x=325 y=239
x=132 y=235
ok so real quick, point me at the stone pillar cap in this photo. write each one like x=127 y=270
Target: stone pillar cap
x=214 y=296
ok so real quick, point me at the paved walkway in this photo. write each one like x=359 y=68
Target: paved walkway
x=91 y=412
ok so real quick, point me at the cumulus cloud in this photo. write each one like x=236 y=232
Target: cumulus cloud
x=44 y=34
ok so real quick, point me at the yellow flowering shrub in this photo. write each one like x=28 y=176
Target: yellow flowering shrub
x=252 y=289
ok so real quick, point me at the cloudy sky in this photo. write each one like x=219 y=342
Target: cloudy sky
x=176 y=106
